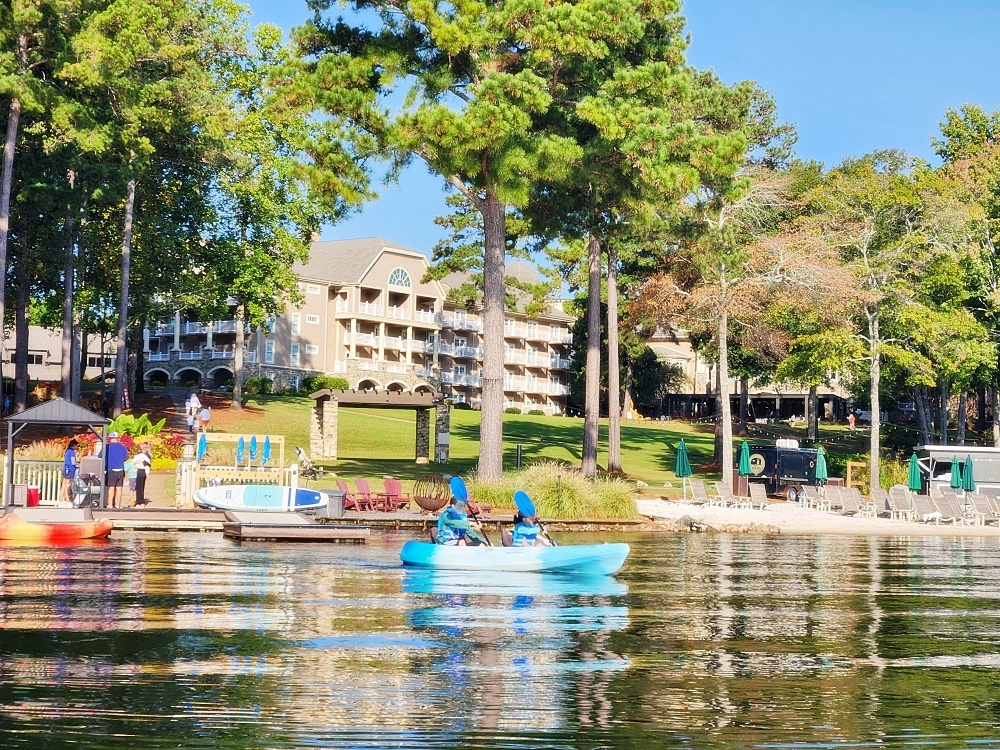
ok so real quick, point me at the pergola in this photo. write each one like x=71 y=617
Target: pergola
x=57 y=412
x=323 y=419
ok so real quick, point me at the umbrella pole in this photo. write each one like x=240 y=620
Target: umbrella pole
x=684 y=487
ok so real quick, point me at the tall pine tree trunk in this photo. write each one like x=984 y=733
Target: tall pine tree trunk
x=923 y=423
x=121 y=360
x=614 y=382
x=963 y=399
x=491 y=424
x=66 y=348
x=238 y=359
x=21 y=335
x=592 y=382
x=943 y=414
x=726 y=409
x=995 y=408
x=137 y=360
x=875 y=375
x=742 y=425
x=812 y=409
x=6 y=183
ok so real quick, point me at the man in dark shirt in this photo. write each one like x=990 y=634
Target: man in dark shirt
x=115 y=478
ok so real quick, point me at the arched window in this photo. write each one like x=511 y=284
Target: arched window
x=399 y=277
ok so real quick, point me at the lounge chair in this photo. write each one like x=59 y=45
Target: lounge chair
x=952 y=507
x=351 y=500
x=834 y=499
x=849 y=504
x=758 y=495
x=726 y=497
x=926 y=508
x=980 y=507
x=900 y=505
x=393 y=498
x=880 y=499
x=866 y=508
x=366 y=499
x=698 y=492
x=810 y=496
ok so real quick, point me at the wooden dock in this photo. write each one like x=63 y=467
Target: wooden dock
x=163 y=519
x=289 y=527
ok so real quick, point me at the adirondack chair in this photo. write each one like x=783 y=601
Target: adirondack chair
x=393 y=498
x=366 y=498
x=351 y=500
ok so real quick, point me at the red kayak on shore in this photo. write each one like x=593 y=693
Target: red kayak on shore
x=13 y=528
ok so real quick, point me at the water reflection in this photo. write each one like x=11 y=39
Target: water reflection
x=701 y=642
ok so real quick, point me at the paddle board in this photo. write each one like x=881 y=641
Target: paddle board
x=260 y=497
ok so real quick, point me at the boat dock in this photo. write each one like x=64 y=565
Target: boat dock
x=247 y=526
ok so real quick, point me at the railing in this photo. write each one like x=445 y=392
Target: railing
x=164 y=329
x=157 y=356
x=424 y=316
x=513 y=330
x=533 y=360
x=399 y=313
x=46 y=475
x=425 y=373
x=224 y=326
x=365 y=339
x=194 y=328
x=368 y=366
x=343 y=306
x=536 y=333
x=513 y=357
x=446 y=348
x=370 y=308
x=339 y=366
x=513 y=384
x=556 y=389
x=189 y=355
x=394 y=342
x=472 y=352
x=560 y=338
x=532 y=386
x=428 y=346
x=398 y=369
x=470 y=380
x=223 y=354
x=447 y=377
x=466 y=323
x=558 y=363
x=446 y=320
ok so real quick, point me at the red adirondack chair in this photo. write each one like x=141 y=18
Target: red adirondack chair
x=366 y=498
x=393 y=498
x=351 y=499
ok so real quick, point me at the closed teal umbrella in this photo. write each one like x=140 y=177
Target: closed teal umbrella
x=202 y=446
x=914 y=481
x=956 y=474
x=968 y=482
x=265 y=454
x=682 y=466
x=744 y=463
x=822 y=474
x=241 y=450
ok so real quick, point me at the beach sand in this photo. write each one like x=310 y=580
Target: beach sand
x=791 y=518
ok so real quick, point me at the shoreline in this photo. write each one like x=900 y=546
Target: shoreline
x=790 y=519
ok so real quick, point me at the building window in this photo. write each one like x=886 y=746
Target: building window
x=312 y=349
x=460 y=397
x=459 y=371
x=295 y=355
x=35 y=359
x=532 y=328
x=312 y=289
x=295 y=383
x=96 y=361
x=312 y=320
x=399 y=277
x=269 y=352
x=296 y=324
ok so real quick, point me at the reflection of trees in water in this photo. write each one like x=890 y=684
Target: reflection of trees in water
x=593 y=706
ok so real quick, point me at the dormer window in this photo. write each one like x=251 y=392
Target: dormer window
x=400 y=278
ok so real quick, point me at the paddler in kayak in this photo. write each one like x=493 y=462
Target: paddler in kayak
x=454 y=527
x=527 y=532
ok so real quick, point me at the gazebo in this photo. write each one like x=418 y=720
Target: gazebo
x=327 y=403
x=55 y=413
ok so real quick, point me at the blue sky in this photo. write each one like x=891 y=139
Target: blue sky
x=852 y=75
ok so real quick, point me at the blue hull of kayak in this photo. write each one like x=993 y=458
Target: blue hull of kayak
x=581 y=559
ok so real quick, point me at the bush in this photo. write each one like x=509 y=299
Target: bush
x=536 y=413
x=462 y=406
x=129 y=424
x=164 y=464
x=511 y=410
x=314 y=383
x=560 y=491
x=255 y=386
x=192 y=384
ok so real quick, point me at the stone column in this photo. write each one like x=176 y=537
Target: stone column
x=145 y=339
x=423 y=435
x=208 y=340
x=316 y=430
x=409 y=345
x=177 y=330
x=329 y=422
x=354 y=338
x=442 y=433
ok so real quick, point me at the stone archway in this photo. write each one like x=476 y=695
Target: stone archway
x=396 y=387
x=423 y=389
x=368 y=385
x=157 y=376
x=220 y=376
x=189 y=375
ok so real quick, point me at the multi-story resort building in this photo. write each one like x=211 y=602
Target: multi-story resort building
x=367 y=315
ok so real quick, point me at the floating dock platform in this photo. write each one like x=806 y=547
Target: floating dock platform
x=249 y=526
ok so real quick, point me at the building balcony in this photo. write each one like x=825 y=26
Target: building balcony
x=467 y=323
x=342 y=306
x=163 y=329
x=513 y=384
x=395 y=342
x=157 y=356
x=534 y=333
x=397 y=369
x=531 y=359
x=368 y=366
x=425 y=316
x=398 y=313
x=446 y=349
x=473 y=381
x=340 y=366
x=249 y=356
x=222 y=353
x=560 y=337
x=514 y=331
x=559 y=363
x=534 y=385
x=224 y=326
x=363 y=339
x=446 y=321
x=428 y=346
x=195 y=328
x=186 y=356
x=471 y=352
x=513 y=357
x=425 y=373
x=556 y=389
x=370 y=308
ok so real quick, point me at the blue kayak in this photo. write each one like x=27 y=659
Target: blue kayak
x=580 y=559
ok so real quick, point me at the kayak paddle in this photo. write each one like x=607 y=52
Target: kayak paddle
x=527 y=509
x=461 y=492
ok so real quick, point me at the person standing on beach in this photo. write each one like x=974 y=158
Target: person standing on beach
x=142 y=462
x=116 y=457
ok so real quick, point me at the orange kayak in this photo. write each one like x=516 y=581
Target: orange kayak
x=17 y=529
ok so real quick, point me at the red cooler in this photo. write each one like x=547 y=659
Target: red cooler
x=34 y=495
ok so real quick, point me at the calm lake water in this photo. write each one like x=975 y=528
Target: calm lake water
x=705 y=641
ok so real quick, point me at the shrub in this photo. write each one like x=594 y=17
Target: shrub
x=559 y=491
x=192 y=384
x=164 y=464
x=536 y=413
x=255 y=386
x=462 y=406
x=128 y=424
x=314 y=383
x=511 y=410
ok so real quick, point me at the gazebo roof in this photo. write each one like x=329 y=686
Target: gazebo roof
x=58 y=411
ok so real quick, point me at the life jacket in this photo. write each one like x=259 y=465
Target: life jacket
x=446 y=533
x=524 y=534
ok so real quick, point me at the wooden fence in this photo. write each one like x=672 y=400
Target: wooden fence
x=46 y=475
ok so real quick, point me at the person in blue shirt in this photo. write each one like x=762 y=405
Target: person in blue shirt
x=69 y=470
x=116 y=457
x=454 y=527
x=527 y=532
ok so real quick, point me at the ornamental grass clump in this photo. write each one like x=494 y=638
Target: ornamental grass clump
x=559 y=491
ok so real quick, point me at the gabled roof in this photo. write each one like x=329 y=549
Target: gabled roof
x=346 y=261
x=58 y=411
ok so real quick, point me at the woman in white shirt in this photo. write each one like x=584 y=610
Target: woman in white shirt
x=142 y=462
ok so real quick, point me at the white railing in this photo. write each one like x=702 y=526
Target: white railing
x=368 y=366
x=556 y=389
x=472 y=352
x=535 y=333
x=424 y=316
x=558 y=363
x=447 y=377
x=446 y=320
x=343 y=306
x=533 y=359
x=365 y=339
x=513 y=358
x=394 y=342
x=223 y=354
x=194 y=328
x=157 y=356
x=472 y=380
x=46 y=475
x=532 y=385
x=425 y=373
x=164 y=329
x=428 y=346
x=513 y=330
x=224 y=326
x=558 y=337
x=399 y=313
x=339 y=366
x=467 y=323
x=370 y=308
x=446 y=348
x=398 y=369
x=189 y=355
x=513 y=384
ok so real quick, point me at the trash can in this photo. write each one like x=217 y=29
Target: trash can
x=33 y=496
x=19 y=495
x=335 y=508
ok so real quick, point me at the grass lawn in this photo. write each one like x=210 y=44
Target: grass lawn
x=375 y=442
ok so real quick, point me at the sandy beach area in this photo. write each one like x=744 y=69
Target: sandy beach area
x=791 y=518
